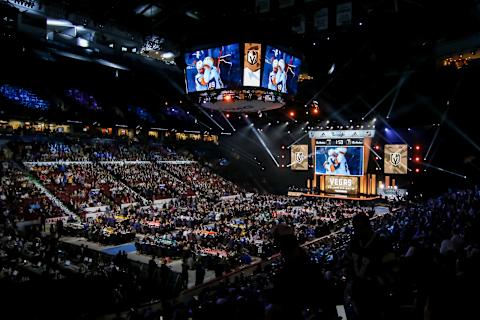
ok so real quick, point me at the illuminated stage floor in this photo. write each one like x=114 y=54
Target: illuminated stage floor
x=342 y=196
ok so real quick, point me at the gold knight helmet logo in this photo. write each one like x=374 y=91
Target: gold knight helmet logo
x=252 y=56
x=395 y=159
x=299 y=156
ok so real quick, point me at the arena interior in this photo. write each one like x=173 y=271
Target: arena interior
x=241 y=160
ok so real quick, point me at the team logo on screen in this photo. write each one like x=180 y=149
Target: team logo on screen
x=252 y=64
x=395 y=159
x=396 y=156
x=299 y=157
x=252 y=56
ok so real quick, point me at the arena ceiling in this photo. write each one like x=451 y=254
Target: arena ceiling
x=390 y=45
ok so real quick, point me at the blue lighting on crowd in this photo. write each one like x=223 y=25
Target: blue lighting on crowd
x=24 y=97
x=84 y=99
x=141 y=113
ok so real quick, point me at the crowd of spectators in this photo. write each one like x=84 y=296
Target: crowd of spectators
x=201 y=180
x=149 y=180
x=83 y=185
x=20 y=199
x=417 y=261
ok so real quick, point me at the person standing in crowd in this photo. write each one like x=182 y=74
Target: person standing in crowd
x=199 y=274
x=184 y=275
x=299 y=286
x=370 y=264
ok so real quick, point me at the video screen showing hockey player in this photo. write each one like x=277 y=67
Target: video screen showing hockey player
x=252 y=63
x=344 y=161
x=280 y=71
x=215 y=68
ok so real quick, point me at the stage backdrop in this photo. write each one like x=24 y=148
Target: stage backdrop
x=396 y=157
x=299 y=157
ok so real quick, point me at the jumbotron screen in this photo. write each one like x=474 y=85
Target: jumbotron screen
x=335 y=160
x=214 y=68
x=280 y=71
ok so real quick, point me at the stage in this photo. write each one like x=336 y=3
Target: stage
x=342 y=196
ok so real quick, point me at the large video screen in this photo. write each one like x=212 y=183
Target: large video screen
x=280 y=71
x=252 y=64
x=335 y=160
x=215 y=68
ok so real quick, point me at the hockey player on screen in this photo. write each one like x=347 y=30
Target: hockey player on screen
x=281 y=77
x=272 y=77
x=211 y=74
x=342 y=167
x=200 y=83
x=330 y=163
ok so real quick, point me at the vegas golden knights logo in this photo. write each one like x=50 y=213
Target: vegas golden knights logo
x=396 y=156
x=395 y=159
x=252 y=56
x=299 y=157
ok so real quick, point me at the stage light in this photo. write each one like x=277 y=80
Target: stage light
x=292 y=114
x=386 y=129
x=228 y=98
x=246 y=116
x=283 y=147
x=228 y=115
x=417 y=147
x=315 y=111
x=409 y=129
x=377 y=147
x=417 y=170
x=417 y=159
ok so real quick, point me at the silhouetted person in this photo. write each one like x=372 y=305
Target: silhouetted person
x=199 y=274
x=184 y=275
x=370 y=260
x=298 y=284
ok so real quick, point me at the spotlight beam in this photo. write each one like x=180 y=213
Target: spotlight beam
x=264 y=145
x=394 y=131
x=203 y=124
x=306 y=134
x=452 y=124
x=400 y=83
x=444 y=170
x=436 y=134
x=213 y=120
x=380 y=102
x=376 y=154
x=228 y=121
